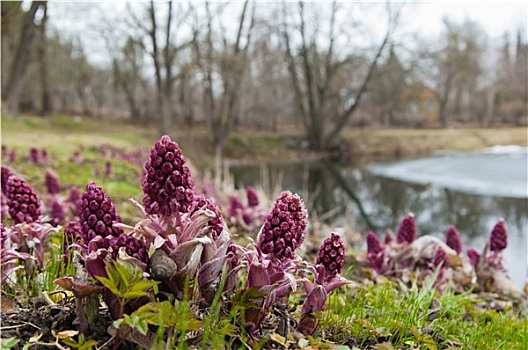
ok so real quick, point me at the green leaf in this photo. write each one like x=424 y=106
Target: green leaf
x=88 y=345
x=125 y=273
x=143 y=285
x=142 y=327
x=110 y=284
x=134 y=294
x=9 y=342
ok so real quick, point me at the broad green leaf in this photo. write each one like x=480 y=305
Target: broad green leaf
x=9 y=342
x=125 y=274
x=108 y=283
x=143 y=285
x=141 y=326
x=134 y=294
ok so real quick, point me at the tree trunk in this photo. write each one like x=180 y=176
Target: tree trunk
x=46 y=104
x=11 y=95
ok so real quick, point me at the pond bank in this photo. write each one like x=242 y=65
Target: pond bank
x=358 y=146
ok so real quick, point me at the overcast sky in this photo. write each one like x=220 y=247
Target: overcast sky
x=78 y=19
x=494 y=16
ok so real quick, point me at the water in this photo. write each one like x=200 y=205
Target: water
x=469 y=190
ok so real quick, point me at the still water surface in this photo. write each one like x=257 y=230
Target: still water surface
x=469 y=190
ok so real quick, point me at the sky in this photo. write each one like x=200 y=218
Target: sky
x=494 y=16
x=78 y=18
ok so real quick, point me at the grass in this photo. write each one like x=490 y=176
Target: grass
x=382 y=316
x=421 y=318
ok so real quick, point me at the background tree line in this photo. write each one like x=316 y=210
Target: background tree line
x=229 y=66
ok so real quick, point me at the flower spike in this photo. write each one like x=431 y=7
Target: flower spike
x=167 y=187
x=285 y=227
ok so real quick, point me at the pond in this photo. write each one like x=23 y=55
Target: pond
x=469 y=190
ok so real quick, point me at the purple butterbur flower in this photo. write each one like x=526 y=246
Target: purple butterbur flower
x=499 y=237
x=252 y=197
x=74 y=201
x=52 y=183
x=453 y=239
x=22 y=200
x=407 y=230
x=34 y=156
x=285 y=227
x=473 y=256
x=98 y=214
x=332 y=255
x=167 y=186
x=235 y=207
x=440 y=258
x=216 y=223
x=132 y=246
x=329 y=263
x=375 y=252
x=8 y=255
x=56 y=212
x=6 y=172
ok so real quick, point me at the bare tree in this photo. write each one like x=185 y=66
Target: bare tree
x=45 y=104
x=458 y=64
x=222 y=68
x=128 y=75
x=11 y=93
x=316 y=70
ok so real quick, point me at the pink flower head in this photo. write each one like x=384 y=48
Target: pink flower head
x=52 y=183
x=375 y=251
x=407 y=229
x=98 y=214
x=285 y=227
x=235 y=206
x=74 y=200
x=6 y=172
x=453 y=239
x=440 y=258
x=252 y=197
x=499 y=236
x=167 y=186
x=131 y=245
x=332 y=255
x=216 y=223
x=373 y=243
x=473 y=256
x=22 y=200
x=56 y=212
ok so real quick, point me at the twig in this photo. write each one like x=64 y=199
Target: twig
x=106 y=343
x=20 y=325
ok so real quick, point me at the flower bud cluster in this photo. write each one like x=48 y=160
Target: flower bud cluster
x=498 y=237
x=407 y=229
x=216 y=223
x=332 y=255
x=98 y=214
x=285 y=227
x=453 y=239
x=167 y=187
x=52 y=183
x=22 y=200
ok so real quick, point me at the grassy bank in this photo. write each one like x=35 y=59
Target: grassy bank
x=64 y=134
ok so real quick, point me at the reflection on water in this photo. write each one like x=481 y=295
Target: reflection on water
x=356 y=197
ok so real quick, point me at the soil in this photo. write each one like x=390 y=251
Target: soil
x=38 y=318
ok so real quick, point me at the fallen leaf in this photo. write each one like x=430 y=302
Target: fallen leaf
x=7 y=305
x=35 y=338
